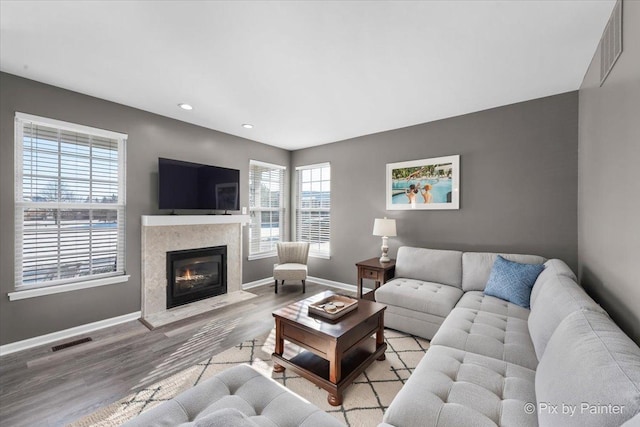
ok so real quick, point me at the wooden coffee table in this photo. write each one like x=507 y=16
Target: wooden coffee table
x=335 y=352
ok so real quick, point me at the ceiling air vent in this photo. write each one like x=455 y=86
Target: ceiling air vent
x=611 y=42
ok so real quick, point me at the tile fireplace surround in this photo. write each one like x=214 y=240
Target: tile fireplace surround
x=164 y=233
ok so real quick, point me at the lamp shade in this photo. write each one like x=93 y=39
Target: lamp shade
x=384 y=227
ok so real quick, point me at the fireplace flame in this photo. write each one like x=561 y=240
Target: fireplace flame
x=190 y=278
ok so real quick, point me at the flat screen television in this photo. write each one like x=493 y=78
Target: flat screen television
x=186 y=185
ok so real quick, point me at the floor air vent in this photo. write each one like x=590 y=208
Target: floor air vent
x=71 y=344
x=611 y=42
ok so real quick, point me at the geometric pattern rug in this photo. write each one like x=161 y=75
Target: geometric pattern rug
x=364 y=401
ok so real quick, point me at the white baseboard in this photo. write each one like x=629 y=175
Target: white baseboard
x=256 y=283
x=67 y=333
x=331 y=283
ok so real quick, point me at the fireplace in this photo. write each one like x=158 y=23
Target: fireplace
x=196 y=274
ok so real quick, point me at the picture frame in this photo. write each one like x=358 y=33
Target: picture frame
x=426 y=184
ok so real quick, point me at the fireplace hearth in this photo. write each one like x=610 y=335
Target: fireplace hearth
x=196 y=274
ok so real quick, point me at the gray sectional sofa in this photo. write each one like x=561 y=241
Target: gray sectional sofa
x=563 y=362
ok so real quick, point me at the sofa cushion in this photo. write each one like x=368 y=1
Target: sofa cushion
x=589 y=360
x=552 y=268
x=501 y=337
x=450 y=387
x=476 y=267
x=241 y=388
x=557 y=298
x=430 y=265
x=425 y=297
x=512 y=281
x=476 y=300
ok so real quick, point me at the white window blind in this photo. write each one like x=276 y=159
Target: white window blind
x=313 y=208
x=266 y=206
x=70 y=202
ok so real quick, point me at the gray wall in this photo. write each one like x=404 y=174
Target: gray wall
x=518 y=185
x=150 y=136
x=609 y=184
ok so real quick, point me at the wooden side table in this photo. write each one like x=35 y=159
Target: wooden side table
x=379 y=272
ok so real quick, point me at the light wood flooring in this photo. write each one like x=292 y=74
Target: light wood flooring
x=40 y=387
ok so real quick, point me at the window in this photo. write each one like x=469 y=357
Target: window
x=70 y=202
x=266 y=206
x=313 y=208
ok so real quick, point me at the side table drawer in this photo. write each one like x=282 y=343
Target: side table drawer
x=369 y=274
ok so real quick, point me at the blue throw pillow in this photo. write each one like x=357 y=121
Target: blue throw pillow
x=512 y=281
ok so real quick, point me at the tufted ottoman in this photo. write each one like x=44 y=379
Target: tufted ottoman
x=236 y=397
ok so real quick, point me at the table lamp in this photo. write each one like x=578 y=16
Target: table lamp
x=385 y=228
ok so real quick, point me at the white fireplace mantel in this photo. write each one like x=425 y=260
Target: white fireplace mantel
x=168 y=220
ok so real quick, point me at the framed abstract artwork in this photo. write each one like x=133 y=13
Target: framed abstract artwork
x=424 y=184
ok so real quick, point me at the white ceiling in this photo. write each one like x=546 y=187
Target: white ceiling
x=305 y=73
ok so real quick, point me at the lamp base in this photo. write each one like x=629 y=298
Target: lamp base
x=385 y=250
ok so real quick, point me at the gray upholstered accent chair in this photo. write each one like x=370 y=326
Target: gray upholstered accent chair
x=292 y=262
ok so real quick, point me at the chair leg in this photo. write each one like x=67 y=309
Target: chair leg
x=276 y=286
x=303 y=290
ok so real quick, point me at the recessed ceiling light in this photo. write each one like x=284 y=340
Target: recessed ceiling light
x=185 y=106
x=247 y=126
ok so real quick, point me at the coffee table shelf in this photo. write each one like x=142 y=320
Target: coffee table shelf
x=316 y=369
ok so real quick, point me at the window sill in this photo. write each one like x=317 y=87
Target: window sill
x=322 y=256
x=32 y=293
x=262 y=255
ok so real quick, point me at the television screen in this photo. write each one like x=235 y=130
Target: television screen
x=186 y=185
